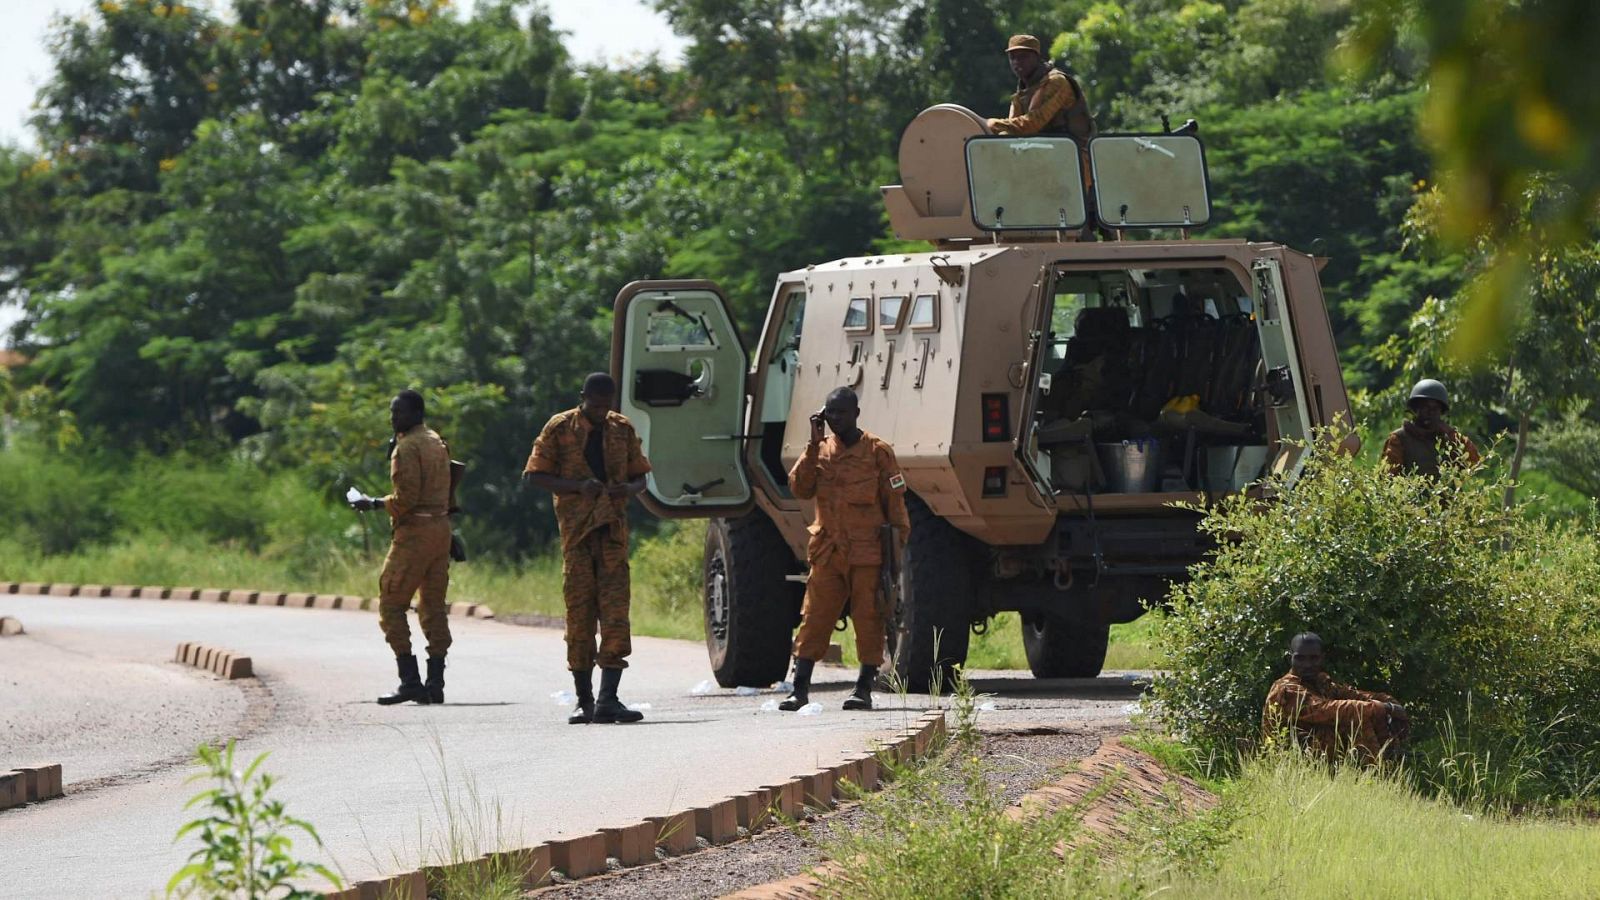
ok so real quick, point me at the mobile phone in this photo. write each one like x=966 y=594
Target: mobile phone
x=817 y=418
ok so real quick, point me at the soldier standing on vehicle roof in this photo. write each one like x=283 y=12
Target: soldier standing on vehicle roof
x=1415 y=447
x=419 y=553
x=1047 y=100
x=858 y=487
x=591 y=459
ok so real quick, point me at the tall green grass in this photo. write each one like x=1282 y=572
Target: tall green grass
x=1302 y=833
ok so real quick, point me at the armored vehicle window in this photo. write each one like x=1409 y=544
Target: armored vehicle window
x=1143 y=181
x=674 y=330
x=858 y=315
x=1025 y=183
x=889 y=310
x=925 y=312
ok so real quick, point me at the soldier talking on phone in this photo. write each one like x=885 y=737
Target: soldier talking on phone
x=859 y=489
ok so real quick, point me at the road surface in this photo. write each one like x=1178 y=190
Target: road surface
x=92 y=686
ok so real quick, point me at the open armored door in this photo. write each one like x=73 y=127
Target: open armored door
x=1284 y=381
x=680 y=368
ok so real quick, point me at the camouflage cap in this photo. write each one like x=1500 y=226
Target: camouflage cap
x=1024 y=42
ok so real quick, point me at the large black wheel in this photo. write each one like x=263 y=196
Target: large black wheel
x=1063 y=646
x=936 y=583
x=751 y=608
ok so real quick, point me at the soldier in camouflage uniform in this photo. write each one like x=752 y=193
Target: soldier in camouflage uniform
x=1329 y=717
x=591 y=459
x=859 y=488
x=1426 y=440
x=419 y=553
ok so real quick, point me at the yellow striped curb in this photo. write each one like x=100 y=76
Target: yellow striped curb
x=232 y=596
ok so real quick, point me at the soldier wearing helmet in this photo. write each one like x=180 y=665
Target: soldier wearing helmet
x=1418 y=446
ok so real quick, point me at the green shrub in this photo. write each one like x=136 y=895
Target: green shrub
x=245 y=847
x=667 y=570
x=1427 y=590
x=55 y=503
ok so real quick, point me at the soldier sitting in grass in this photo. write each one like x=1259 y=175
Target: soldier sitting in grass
x=1329 y=717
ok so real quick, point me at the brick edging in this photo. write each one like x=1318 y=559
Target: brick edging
x=586 y=855
x=232 y=596
x=30 y=785
x=223 y=663
x=1078 y=790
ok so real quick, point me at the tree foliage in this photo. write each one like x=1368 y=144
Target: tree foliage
x=248 y=229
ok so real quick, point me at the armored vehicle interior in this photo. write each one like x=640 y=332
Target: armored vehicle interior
x=1150 y=380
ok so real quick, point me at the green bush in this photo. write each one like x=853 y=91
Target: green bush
x=1427 y=590
x=73 y=501
x=55 y=504
x=245 y=845
x=667 y=570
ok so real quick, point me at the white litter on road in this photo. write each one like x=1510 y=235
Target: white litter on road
x=746 y=691
x=811 y=709
x=770 y=706
x=703 y=688
x=563 y=698
x=987 y=706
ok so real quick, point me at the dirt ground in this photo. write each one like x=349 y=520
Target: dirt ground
x=1019 y=760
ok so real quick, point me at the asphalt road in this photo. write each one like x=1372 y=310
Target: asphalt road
x=92 y=686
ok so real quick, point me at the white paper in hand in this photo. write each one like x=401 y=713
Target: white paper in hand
x=353 y=495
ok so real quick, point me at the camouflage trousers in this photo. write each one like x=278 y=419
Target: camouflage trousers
x=419 y=558
x=595 y=587
x=832 y=582
x=1368 y=739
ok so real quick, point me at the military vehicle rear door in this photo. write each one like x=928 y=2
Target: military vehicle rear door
x=680 y=367
x=1026 y=445
x=1285 y=381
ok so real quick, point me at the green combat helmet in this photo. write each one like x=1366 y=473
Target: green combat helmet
x=1429 y=389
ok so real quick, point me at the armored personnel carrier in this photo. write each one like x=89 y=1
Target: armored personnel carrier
x=1049 y=398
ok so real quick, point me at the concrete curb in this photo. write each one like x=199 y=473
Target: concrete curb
x=218 y=662
x=30 y=784
x=587 y=855
x=234 y=596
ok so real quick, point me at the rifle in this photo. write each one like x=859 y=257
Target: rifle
x=888 y=572
x=458 y=547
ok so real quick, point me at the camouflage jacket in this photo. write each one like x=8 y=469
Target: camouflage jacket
x=857 y=489
x=558 y=451
x=419 y=468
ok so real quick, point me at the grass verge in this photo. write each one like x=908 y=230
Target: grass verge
x=666 y=584
x=1302 y=833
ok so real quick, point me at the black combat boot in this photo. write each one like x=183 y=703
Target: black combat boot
x=861 y=697
x=435 y=681
x=410 y=684
x=583 y=686
x=607 y=708
x=801 y=695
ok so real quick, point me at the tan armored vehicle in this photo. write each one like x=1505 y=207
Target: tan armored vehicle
x=1049 y=399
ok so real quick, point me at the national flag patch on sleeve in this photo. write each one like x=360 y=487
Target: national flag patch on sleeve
x=897 y=482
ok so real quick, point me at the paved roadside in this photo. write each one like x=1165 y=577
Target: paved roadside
x=92 y=685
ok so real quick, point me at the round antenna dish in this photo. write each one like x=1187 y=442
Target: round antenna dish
x=933 y=158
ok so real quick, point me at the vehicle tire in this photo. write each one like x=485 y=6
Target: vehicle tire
x=750 y=608
x=936 y=583
x=1064 y=647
